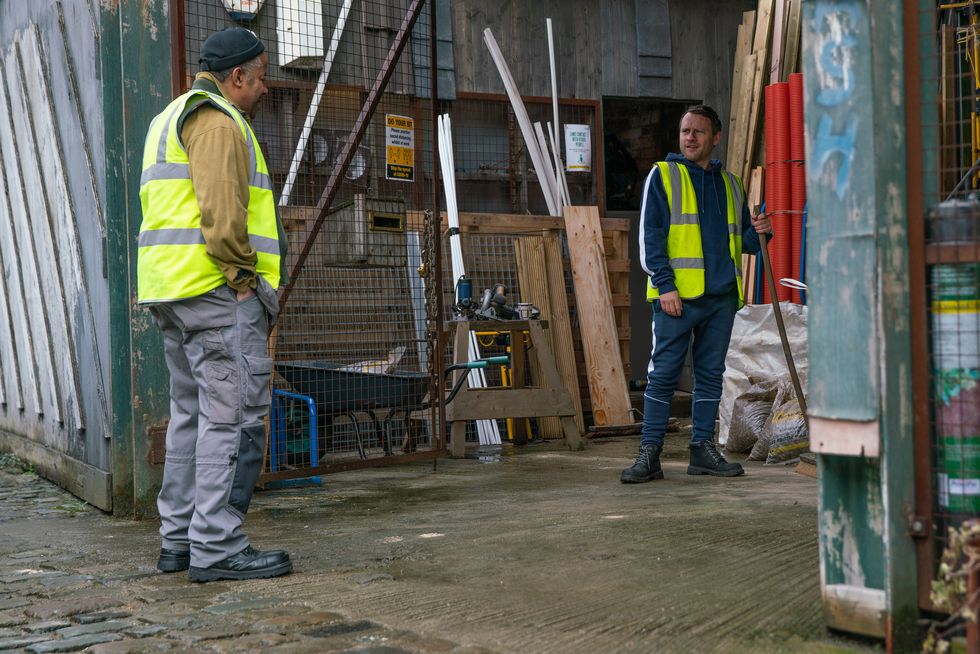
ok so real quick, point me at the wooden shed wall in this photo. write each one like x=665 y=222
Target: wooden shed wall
x=702 y=36
x=603 y=47
x=519 y=28
x=53 y=290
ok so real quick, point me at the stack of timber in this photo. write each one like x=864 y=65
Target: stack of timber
x=767 y=51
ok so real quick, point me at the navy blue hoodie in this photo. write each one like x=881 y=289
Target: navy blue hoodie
x=709 y=187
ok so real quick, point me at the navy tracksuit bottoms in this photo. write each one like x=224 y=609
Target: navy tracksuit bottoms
x=709 y=320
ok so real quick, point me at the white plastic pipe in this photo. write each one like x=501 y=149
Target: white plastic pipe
x=554 y=86
x=489 y=433
x=548 y=161
x=559 y=166
x=321 y=85
x=520 y=112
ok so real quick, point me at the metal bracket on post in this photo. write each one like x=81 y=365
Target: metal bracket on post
x=918 y=526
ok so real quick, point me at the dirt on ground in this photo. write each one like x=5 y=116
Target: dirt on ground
x=537 y=550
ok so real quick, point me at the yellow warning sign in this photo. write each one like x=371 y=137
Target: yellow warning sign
x=400 y=148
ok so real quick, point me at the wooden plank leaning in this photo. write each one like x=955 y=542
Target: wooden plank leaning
x=755 y=116
x=742 y=112
x=607 y=382
x=791 y=56
x=533 y=280
x=561 y=328
x=742 y=50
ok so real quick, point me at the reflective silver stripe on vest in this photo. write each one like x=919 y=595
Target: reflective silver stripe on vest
x=261 y=180
x=687 y=263
x=256 y=179
x=264 y=244
x=677 y=215
x=162 y=145
x=171 y=236
x=676 y=191
x=164 y=170
x=160 y=171
x=732 y=228
x=194 y=236
x=737 y=198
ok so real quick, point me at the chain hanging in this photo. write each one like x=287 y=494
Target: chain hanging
x=427 y=272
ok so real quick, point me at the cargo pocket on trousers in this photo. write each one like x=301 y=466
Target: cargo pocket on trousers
x=251 y=445
x=257 y=390
x=224 y=394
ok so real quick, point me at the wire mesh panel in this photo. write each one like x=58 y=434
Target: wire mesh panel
x=346 y=129
x=493 y=170
x=950 y=156
x=354 y=373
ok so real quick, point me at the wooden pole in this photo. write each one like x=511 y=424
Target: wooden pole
x=778 y=314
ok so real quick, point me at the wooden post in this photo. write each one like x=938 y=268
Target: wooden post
x=461 y=343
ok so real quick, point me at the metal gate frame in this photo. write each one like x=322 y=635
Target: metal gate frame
x=923 y=144
x=180 y=84
x=921 y=522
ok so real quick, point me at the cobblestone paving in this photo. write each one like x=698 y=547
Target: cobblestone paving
x=59 y=597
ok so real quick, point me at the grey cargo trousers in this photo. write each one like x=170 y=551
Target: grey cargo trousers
x=220 y=371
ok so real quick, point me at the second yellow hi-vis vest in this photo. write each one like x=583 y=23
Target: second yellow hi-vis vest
x=172 y=262
x=684 y=248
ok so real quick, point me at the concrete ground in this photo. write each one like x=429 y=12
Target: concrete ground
x=541 y=551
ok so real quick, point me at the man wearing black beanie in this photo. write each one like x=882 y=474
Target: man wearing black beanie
x=209 y=262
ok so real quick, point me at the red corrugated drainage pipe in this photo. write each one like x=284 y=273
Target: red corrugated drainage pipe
x=797 y=176
x=778 y=184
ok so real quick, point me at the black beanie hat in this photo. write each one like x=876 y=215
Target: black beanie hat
x=229 y=48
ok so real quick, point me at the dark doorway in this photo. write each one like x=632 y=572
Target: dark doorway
x=638 y=133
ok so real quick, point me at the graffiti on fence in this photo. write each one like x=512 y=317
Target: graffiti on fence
x=834 y=28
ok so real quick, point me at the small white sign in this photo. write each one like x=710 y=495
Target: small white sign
x=578 y=148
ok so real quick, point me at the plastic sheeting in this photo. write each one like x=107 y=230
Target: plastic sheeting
x=755 y=351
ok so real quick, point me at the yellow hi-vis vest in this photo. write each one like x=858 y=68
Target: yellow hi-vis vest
x=684 y=248
x=172 y=262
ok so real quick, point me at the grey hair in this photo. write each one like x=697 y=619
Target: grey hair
x=249 y=66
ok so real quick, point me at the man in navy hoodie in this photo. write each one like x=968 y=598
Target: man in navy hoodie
x=695 y=224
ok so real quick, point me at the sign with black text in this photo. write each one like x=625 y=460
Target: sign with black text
x=400 y=148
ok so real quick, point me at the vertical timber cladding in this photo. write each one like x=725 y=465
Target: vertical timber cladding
x=859 y=387
x=135 y=40
x=519 y=28
x=53 y=293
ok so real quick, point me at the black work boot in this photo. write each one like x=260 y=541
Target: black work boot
x=247 y=564
x=646 y=467
x=707 y=460
x=173 y=560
